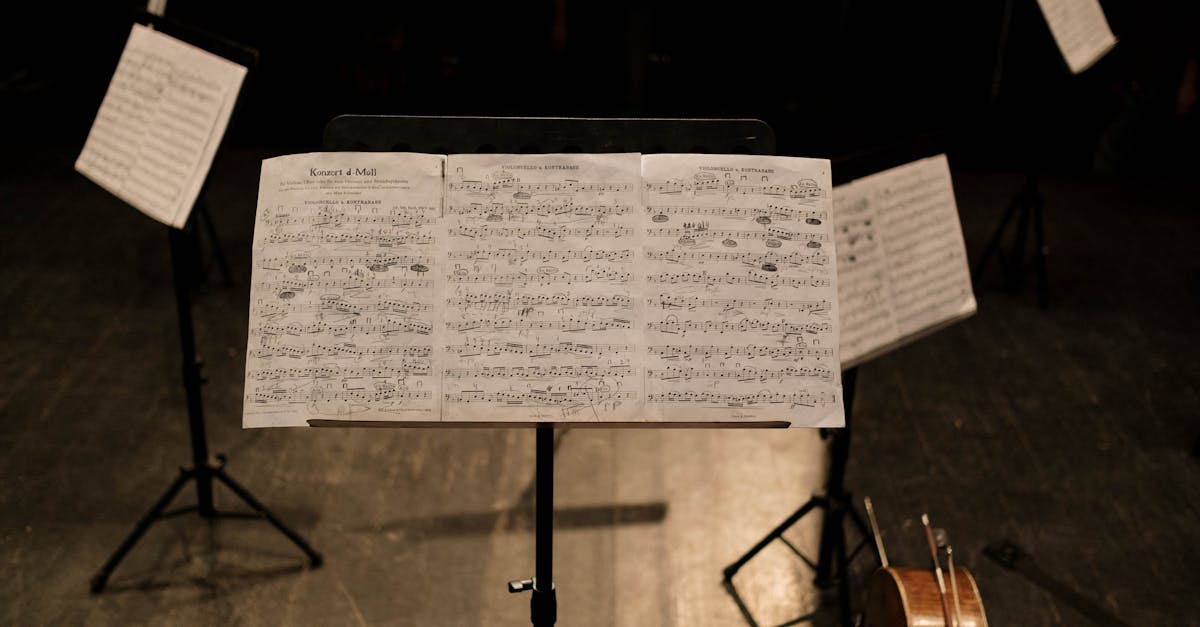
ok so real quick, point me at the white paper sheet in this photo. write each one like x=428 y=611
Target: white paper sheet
x=160 y=123
x=1080 y=30
x=902 y=263
x=543 y=288
x=344 y=296
x=741 y=290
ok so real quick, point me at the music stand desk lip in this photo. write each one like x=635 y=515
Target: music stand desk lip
x=450 y=424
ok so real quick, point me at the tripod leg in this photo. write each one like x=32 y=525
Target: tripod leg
x=1042 y=252
x=101 y=577
x=218 y=255
x=314 y=558
x=843 y=575
x=732 y=569
x=993 y=245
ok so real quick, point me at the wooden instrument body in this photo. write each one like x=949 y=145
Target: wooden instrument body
x=909 y=597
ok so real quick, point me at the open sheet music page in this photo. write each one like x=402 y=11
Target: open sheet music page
x=568 y=288
x=344 y=290
x=1080 y=30
x=902 y=264
x=160 y=123
x=542 y=320
x=741 y=290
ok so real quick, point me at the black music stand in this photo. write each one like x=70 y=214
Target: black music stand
x=832 y=565
x=186 y=266
x=445 y=135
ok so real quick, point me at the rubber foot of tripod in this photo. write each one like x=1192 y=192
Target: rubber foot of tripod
x=98 y=583
x=316 y=560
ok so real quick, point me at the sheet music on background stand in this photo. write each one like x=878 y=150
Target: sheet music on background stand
x=160 y=123
x=1080 y=30
x=902 y=263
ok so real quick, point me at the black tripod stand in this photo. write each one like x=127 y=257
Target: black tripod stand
x=203 y=470
x=1027 y=206
x=832 y=563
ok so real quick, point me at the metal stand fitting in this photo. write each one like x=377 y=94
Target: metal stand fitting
x=203 y=470
x=1028 y=207
x=543 y=605
x=832 y=565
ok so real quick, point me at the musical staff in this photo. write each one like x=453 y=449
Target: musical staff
x=493 y=347
x=510 y=300
x=735 y=279
x=683 y=327
x=596 y=276
x=690 y=302
x=773 y=351
x=540 y=325
x=518 y=256
x=810 y=399
x=543 y=231
x=742 y=374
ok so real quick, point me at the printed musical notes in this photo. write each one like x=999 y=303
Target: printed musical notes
x=743 y=325
x=902 y=265
x=541 y=316
x=343 y=312
x=1080 y=30
x=164 y=114
x=544 y=288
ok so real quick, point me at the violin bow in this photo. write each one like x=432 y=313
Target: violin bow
x=937 y=570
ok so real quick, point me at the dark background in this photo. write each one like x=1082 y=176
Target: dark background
x=833 y=78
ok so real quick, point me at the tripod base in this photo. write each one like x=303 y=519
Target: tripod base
x=832 y=565
x=203 y=476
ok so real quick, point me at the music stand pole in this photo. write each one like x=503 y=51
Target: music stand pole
x=543 y=605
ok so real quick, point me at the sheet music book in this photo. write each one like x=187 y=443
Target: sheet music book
x=1080 y=30
x=902 y=265
x=160 y=123
x=604 y=288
